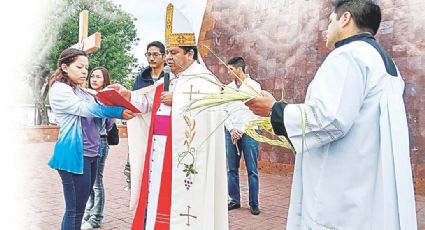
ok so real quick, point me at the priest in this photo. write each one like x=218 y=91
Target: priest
x=183 y=176
x=352 y=168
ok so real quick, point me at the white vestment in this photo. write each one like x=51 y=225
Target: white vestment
x=199 y=188
x=138 y=131
x=206 y=194
x=355 y=170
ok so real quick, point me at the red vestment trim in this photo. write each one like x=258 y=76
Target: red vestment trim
x=164 y=201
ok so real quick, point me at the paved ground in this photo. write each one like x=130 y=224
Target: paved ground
x=45 y=205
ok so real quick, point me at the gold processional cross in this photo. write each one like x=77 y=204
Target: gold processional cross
x=87 y=44
x=188 y=215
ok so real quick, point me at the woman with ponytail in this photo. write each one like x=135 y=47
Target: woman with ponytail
x=76 y=150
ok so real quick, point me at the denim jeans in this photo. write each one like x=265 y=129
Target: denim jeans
x=96 y=202
x=249 y=148
x=76 y=190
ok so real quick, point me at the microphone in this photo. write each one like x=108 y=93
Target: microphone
x=166 y=78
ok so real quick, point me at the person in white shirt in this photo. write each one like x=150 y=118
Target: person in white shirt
x=238 y=143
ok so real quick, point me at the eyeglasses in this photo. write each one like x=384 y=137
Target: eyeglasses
x=154 y=54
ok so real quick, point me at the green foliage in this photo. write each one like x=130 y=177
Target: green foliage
x=118 y=36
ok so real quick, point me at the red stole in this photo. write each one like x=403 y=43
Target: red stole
x=164 y=201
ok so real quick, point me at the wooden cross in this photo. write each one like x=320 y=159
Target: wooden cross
x=188 y=215
x=87 y=44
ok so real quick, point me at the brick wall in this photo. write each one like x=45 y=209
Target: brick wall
x=283 y=44
x=41 y=133
x=50 y=133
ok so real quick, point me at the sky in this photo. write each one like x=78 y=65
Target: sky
x=150 y=16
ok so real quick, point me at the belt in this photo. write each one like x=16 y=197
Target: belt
x=103 y=135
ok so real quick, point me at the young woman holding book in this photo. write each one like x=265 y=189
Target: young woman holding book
x=76 y=151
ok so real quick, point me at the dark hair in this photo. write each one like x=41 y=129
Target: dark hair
x=67 y=57
x=157 y=44
x=188 y=48
x=237 y=62
x=366 y=13
x=105 y=74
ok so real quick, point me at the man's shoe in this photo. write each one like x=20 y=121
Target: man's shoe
x=254 y=209
x=233 y=205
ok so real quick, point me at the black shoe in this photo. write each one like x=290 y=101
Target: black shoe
x=233 y=205
x=254 y=209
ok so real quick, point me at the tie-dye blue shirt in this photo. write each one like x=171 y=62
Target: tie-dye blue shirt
x=69 y=106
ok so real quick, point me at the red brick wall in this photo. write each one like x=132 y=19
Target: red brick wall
x=41 y=133
x=283 y=44
x=50 y=133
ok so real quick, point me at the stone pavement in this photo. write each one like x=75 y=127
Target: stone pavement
x=45 y=205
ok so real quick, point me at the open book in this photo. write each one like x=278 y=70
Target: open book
x=112 y=97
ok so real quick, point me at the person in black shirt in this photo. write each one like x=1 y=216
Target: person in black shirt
x=155 y=56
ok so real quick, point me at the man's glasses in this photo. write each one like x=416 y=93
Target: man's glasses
x=154 y=54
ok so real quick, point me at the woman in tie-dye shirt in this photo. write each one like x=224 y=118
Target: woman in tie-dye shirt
x=73 y=154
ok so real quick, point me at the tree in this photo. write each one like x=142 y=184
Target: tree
x=118 y=36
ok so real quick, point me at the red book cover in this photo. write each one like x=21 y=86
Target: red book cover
x=113 y=98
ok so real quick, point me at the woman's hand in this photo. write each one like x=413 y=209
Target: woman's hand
x=127 y=114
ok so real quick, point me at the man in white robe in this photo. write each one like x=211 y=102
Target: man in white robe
x=352 y=168
x=183 y=181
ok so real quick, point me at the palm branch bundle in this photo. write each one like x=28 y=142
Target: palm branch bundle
x=230 y=94
x=264 y=125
